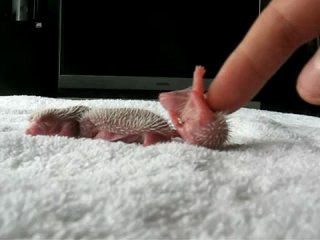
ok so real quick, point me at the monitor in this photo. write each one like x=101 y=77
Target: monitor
x=111 y=46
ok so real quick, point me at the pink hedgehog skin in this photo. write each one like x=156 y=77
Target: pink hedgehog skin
x=130 y=125
x=191 y=116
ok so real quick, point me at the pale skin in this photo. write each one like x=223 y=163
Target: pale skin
x=277 y=33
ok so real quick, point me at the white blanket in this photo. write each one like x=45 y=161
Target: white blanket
x=264 y=185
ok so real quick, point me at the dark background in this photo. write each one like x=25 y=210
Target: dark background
x=28 y=60
x=164 y=41
x=29 y=56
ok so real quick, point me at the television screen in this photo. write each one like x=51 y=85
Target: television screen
x=107 y=46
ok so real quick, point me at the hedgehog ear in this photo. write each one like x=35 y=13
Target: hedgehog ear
x=175 y=101
x=187 y=101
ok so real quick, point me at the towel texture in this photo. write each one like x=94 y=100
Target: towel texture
x=263 y=185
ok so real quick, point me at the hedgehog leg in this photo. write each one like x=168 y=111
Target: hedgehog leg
x=196 y=108
x=114 y=137
x=70 y=128
x=151 y=138
x=134 y=138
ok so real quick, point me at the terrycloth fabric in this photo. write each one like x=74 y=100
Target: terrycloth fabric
x=264 y=185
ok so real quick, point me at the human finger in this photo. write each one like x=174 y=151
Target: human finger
x=280 y=29
x=308 y=85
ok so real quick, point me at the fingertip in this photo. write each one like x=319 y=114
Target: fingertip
x=308 y=84
x=307 y=96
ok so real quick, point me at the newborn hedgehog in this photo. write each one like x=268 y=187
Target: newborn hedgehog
x=191 y=116
x=126 y=124
x=56 y=121
x=113 y=124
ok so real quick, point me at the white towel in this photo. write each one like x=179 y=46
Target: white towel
x=263 y=185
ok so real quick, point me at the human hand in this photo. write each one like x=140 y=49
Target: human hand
x=281 y=29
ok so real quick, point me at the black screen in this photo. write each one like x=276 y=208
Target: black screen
x=99 y=38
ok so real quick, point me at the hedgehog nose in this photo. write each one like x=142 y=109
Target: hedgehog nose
x=31 y=131
x=36 y=130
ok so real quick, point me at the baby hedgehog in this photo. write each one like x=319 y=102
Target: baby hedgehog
x=192 y=117
x=126 y=124
x=113 y=124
